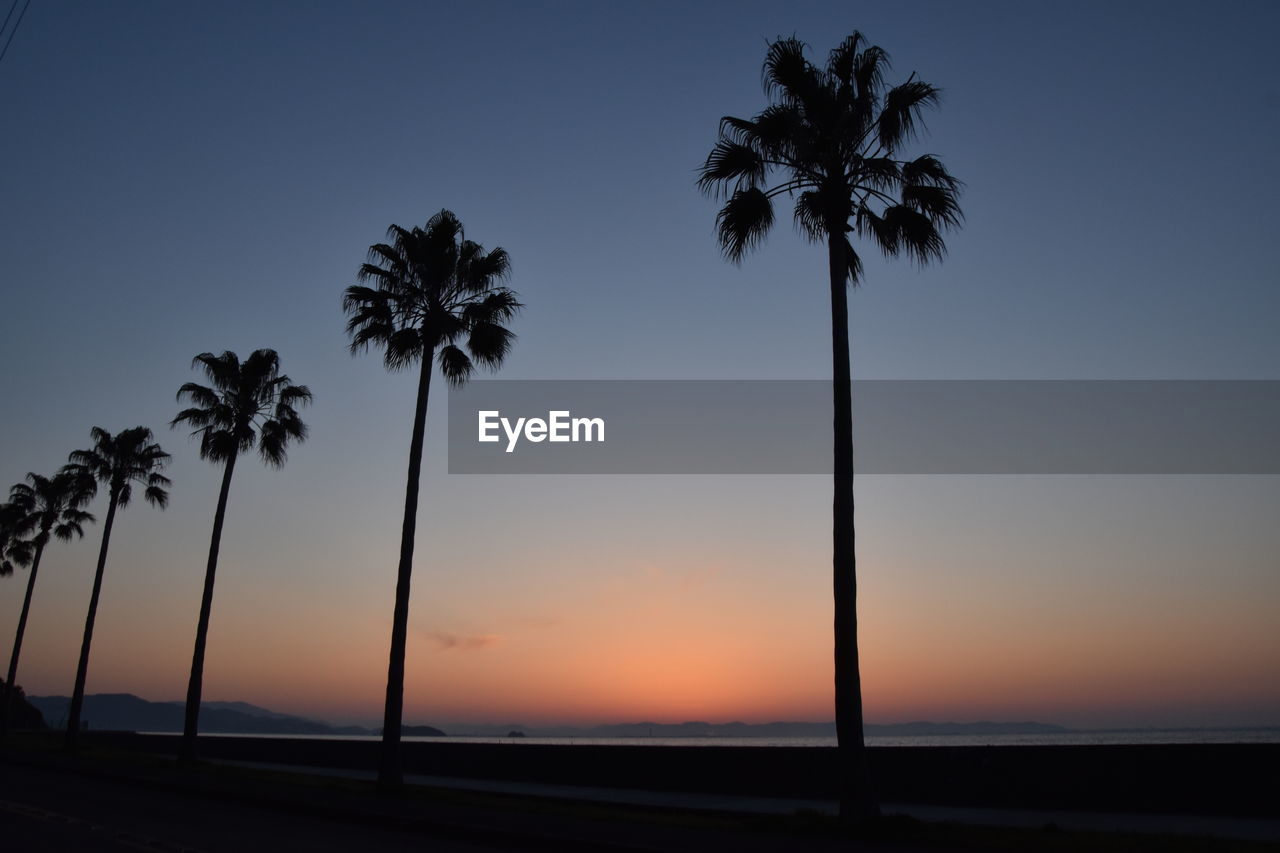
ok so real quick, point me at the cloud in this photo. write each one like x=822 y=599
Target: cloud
x=537 y=622
x=447 y=641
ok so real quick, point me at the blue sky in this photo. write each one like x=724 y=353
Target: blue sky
x=183 y=178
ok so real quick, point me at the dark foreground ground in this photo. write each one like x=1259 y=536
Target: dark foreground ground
x=115 y=799
x=1240 y=780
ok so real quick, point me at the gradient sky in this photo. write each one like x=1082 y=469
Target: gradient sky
x=178 y=178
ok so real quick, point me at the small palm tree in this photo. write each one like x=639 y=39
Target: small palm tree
x=248 y=403
x=14 y=550
x=44 y=507
x=426 y=295
x=834 y=135
x=117 y=462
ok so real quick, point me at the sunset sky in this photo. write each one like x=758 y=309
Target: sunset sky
x=179 y=178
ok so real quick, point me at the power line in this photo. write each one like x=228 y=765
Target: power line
x=5 y=25
x=16 y=24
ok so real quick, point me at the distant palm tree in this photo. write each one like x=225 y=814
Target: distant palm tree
x=14 y=550
x=432 y=289
x=118 y=462
x=46 y=506
x=249 y=403
x=834 y=134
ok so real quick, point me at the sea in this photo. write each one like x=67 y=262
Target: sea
x=1083 y=738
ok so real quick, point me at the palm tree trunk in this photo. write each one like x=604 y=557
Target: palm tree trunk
x=390 y=771
x=10 y=687
x=77 y=694
x=192 y=724
x=856 y=799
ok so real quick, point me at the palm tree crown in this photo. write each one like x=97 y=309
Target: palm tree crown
x=52 y=506
x=119 y=461
x=14 y=550
x=249 y=403
x=835 y=135
x=433 y=289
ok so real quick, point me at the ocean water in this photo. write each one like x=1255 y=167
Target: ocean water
x=1064 y=739
x=1143 y=736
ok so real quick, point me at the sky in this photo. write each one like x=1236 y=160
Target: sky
x=180 y=178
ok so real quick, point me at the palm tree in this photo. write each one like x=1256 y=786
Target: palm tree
x=118 y=462
x=433 y=294
x=45 y=506
x=14 y=550
x=834 y=136
x=249 y=403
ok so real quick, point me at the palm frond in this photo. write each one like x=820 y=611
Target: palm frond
x=732 y=166
x=743 y=222
x=939 y=204
x=489 y=343
x=294 y=395
x=917 y=234
x=497 y=306
x=403 y=348
x=68 y=530
x=487 y=268
x=843 y=57
x=222 y=370
x=870 y=224
x=868 y=78
x=787 y=74
x=199 y=418
x=900 y=119
x=455 y=365
x=198 y=395
x=811 y=217
x=927 y=170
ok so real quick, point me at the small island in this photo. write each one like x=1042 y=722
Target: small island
x=421 y=731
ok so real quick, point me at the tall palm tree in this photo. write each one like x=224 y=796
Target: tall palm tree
x=117 y=462
x=246 y=403
x=833 y=135
x=46 y=506
x=426 y=295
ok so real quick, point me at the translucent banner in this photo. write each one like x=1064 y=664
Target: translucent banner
x=899 y=427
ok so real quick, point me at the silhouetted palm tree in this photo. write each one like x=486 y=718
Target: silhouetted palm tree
x=46 y=506
x=118 y=462
x=834 y=135
x=14 y=550
x=248 y=403
x=434 y=293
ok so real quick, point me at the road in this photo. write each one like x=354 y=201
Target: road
x=42 y=810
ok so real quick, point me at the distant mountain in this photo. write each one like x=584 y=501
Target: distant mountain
x=983 y=727
x=762 y=730
x=244 y=708
x=126 y=712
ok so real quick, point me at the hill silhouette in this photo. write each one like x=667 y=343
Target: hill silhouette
x=762 y=730
x=126 y=712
